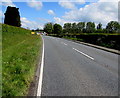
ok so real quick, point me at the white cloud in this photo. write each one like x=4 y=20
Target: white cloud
x=108 y=1
x=67 y=4
x=79 y=1
x=30 y=24
x=1 y=13
x=62 y=21
x=59 y=20
x=1 y=17
x=51 y=12
x=35 y=4
x=43 y=19
x=97 y=12
x=70 y=4
x=8 y=3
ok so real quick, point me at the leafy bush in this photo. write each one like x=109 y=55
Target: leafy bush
x=105 y=40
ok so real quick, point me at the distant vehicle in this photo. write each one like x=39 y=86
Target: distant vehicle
x=38 y=33
x=32 y=33
x=44 y=33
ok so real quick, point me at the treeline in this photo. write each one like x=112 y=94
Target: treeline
x=51 y=28
x=81 y=27
x=87 y=32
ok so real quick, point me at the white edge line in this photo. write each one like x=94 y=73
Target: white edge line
x=41 y=73
x=84 y=54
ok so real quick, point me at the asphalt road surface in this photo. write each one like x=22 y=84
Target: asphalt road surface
x=72 y=69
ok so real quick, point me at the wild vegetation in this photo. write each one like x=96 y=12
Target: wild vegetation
x=20 y=51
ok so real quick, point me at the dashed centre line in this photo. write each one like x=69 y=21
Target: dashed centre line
x=80 y=52
x=63 y=43
x=84 y=54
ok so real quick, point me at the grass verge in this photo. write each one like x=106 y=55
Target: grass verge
x=20 y=53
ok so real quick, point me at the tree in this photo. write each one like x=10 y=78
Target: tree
x=37 y=29
x=74 y=28
x=90 y=27
x=12 y=16
x=113 y=27
x=67 y=27
x=81 y=26
x=48 y=28
x=99 y=26
x=57 y=29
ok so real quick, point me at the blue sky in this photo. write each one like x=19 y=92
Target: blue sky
x=35 y=14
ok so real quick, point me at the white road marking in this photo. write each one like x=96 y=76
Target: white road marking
x=41 y=73
x=84 y=54
x=63 y=43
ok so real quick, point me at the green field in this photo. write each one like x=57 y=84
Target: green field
x=20 y=53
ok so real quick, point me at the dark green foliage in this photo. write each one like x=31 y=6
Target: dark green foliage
x=74 y=28
x=67 y=28
x=100 y=31
x=81 y=27
x=113 y=26
x=99 y=26
x=12 y=16
x=48 y=28
x=57 y=29
x=90 y=27
x=109 y=41
x=107 y=37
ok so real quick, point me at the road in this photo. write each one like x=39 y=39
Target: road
x=72 y=69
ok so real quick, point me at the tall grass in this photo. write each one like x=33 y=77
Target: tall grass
x=20 y=52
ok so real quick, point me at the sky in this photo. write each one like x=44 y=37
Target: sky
x=36 y=13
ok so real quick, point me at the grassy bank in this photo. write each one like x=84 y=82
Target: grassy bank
x=20 y=51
